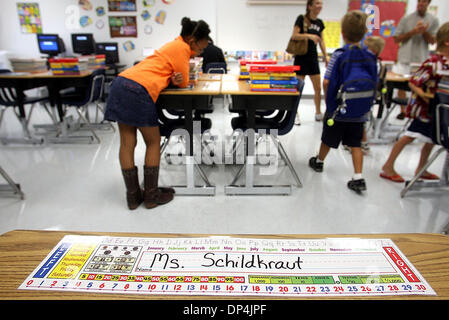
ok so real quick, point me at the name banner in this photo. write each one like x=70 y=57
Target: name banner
x=228 y=266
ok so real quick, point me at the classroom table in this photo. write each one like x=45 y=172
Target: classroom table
x=21 y=251
x=257 y=100
x=189 y=100
x=26 y=81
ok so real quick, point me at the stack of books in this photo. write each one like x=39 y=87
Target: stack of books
x=68 y=66
x=29 y=65
x=273 y=78
x=194 y=70
x=244 y=67
x=95 y=61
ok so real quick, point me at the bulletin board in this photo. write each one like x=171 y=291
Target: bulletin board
x=332 y=34
x=29 y=17
x=228 y=266
x=391 y=12
x=123 y=26
x=122 y=5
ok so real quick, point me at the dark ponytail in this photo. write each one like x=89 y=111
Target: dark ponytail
x=309 y=3
x=198 y=29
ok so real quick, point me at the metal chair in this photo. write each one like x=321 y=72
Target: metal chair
x=282 y=122
x=9 y=98
x=170 y=127
x=440 y=123
x=11 y=187
x=215 y=67
x=80 y=101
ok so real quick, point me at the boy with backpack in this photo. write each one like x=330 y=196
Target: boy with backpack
x=350 y=86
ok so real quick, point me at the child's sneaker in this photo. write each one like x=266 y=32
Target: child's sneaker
x=317 y=166
x=357 y=185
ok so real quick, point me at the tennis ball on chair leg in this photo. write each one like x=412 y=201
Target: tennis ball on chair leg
x=330 y=122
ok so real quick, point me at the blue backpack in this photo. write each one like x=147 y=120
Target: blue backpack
x=352 y=87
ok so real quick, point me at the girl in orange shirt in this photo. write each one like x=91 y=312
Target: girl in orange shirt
x=131 y=103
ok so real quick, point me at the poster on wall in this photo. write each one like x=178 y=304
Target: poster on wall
x=29 y=17
x=122 y=5
x=389 y=14
x=332 y=34
x=123 y=26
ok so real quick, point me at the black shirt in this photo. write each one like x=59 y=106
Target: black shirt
x=212 y=54
x=316 y=27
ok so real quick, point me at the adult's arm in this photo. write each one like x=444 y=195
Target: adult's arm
x=297 y=35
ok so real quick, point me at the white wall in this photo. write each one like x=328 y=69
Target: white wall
x=54 y=18
x=264 y=27
x=234 y=24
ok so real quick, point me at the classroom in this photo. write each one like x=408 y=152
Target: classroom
x=62 y=163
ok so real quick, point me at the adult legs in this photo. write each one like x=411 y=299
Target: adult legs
x=316 y=81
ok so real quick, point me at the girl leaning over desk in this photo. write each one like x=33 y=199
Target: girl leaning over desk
x=131 y=103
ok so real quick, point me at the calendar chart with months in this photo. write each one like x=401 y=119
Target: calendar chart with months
x=228 y=266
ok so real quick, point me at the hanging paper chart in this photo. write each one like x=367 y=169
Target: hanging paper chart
x=228 y=266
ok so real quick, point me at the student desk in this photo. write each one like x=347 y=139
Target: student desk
x=26 y=81
x=190 y=100
x=21 y=251
x=252 y=101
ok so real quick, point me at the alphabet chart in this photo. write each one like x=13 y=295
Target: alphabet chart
x=228 y=266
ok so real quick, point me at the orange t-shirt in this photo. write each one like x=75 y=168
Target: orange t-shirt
x=154 y=73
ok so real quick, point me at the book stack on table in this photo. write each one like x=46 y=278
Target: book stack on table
x=95 y=61
x=244 y=67
x=29 y=65
x=273 y=78
x=68 y=66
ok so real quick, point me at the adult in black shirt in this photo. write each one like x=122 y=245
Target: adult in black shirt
x=212 y=53
x=309 y=62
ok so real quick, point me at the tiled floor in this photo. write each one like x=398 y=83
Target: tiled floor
x=80 y=188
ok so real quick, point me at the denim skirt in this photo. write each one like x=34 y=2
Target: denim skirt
x=129 y=103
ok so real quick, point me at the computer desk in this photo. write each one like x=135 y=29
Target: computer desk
x=256 y=100
x=21 y=251
x=26 y=81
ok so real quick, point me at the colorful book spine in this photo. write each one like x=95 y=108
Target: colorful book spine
x=273 y=78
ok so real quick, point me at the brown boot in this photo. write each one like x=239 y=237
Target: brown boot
x=154 y=196
x=134 y=195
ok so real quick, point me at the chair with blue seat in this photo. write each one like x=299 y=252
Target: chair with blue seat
x=83 y=97
x=170 y=127
x=440 y=136
x=215 y=67
x=11 y=98
x=282 y=121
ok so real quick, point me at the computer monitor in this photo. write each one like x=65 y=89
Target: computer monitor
x=50 y=44
x=83 y=43
x=110 y=50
